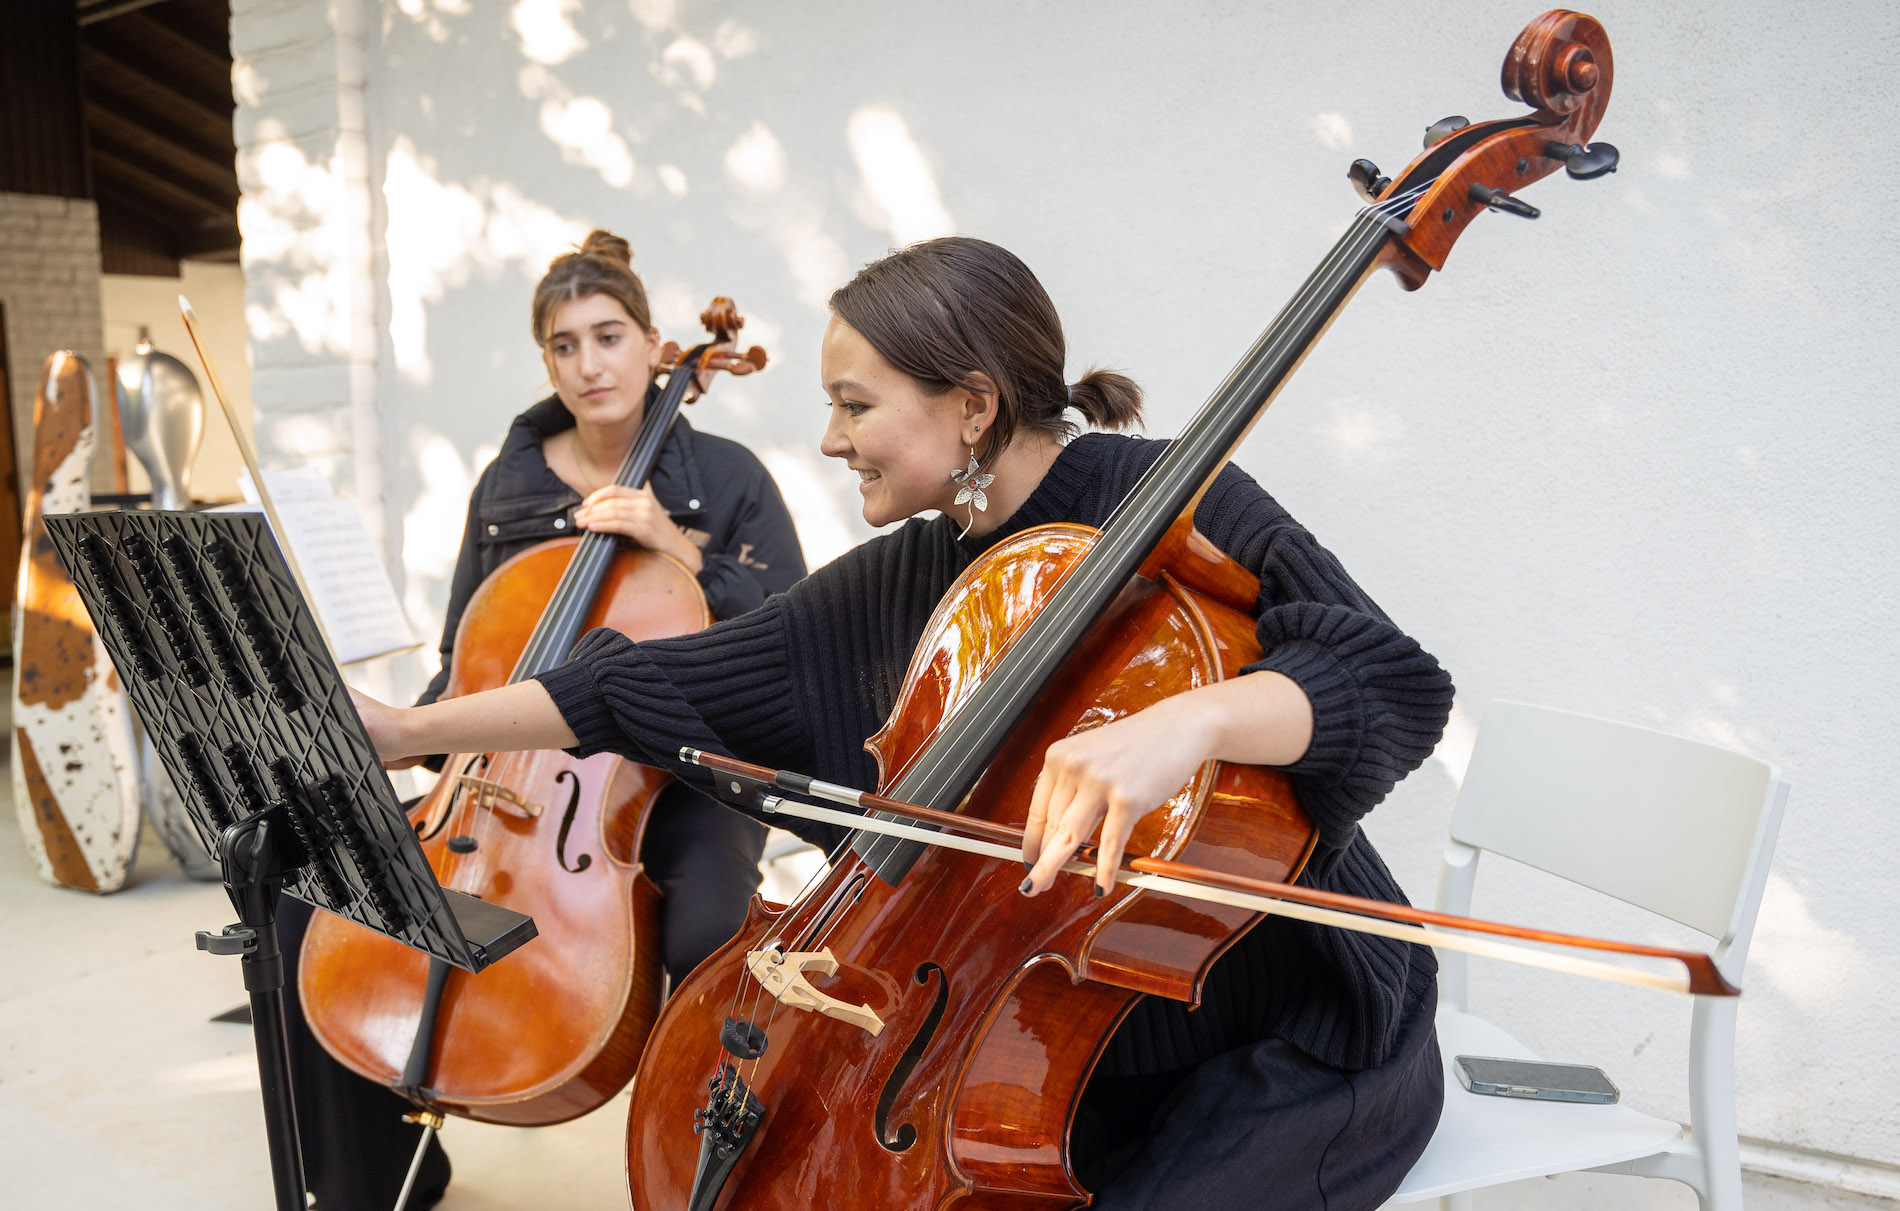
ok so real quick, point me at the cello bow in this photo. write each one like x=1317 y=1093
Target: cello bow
x=1522 y=944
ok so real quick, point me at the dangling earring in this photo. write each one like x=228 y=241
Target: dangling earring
x=970 y=485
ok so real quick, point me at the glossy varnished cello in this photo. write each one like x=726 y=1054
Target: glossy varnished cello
x=912 y=1032
x=557 y=1030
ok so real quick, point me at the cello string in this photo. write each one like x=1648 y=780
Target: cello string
x=1077 y=595
x=503 y=767
x=483 y=811
x=852 y=878
x=567 y=608
x=1336 y=271
x=1329 y=277
x=1314 y=294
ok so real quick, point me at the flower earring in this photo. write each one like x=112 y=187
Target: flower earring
x=970 y=484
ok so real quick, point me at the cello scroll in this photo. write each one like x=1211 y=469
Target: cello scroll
x=723 y=320
x=1561 y=66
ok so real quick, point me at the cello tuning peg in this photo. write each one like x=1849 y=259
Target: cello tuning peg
x=1497 y=199
x=1367 y=180
x=1444 y=128
x=1584 y=163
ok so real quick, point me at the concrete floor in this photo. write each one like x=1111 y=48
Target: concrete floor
x=116 y=1089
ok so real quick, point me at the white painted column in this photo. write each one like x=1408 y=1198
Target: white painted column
x=305 y=214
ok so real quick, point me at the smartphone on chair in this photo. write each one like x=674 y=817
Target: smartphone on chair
x=1534 y=1079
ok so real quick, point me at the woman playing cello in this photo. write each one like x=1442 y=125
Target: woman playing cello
x=711 y=505
x=1309 y=1076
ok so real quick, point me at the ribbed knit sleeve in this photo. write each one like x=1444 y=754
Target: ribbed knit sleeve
x=803 y=681
x=1380 y=701
x=723 y=689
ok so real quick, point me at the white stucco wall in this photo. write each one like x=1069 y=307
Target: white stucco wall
x=1630 y=459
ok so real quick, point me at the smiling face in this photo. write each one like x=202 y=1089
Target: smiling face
x=902 y=442
x=600 y=361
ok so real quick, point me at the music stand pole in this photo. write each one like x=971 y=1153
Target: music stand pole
x=253 y=875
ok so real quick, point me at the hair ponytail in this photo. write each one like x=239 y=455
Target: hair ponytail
x=603 y=264
x=947 y=311
x=1110 y=400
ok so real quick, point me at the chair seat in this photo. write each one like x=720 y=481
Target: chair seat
x=1483 y=1140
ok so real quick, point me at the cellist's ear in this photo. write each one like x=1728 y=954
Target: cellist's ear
x=980 y=402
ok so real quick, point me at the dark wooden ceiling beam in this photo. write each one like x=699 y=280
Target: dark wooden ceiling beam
x=147 y=92
x=118 y=195
x=145 y=38
x=210 y=244
x=194 y=238
x=114 y=127
x=129 y=103
x=173 y=193
x=158 y=109
x=91 y=12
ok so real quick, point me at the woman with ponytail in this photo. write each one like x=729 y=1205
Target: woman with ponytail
x=711 y=505
x=1309 y=1075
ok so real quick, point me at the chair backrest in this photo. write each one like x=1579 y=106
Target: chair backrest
x=1678 y=827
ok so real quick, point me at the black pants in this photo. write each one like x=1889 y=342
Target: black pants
x=1264 y=1128
x=356 y=1150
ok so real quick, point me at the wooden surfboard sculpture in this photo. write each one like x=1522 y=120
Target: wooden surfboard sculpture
x=74 y=782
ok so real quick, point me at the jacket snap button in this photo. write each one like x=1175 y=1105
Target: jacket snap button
x=692 y=504
x=560 y=523
x=493 y=530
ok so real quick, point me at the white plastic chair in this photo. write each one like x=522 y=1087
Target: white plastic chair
x=1677 y=827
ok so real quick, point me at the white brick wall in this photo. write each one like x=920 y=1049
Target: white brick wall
x=49 y=286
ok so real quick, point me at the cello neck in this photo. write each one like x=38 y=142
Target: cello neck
x=945 y=771
x=566 y=615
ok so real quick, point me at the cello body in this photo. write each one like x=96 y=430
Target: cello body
x=557 y=1030
x=913 y=1032
x=995 y=1008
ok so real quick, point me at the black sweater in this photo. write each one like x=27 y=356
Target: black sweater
x=801 y=682
x=714 y=489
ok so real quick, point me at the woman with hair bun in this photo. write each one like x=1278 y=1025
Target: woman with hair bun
x=1309 y=1075
x=710 y=504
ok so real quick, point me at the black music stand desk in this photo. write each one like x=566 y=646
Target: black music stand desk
x=230 y=674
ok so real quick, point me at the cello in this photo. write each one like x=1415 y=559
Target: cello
x=557 y=1031
x=866 y=1046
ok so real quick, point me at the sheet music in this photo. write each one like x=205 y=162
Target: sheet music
x=349 y=587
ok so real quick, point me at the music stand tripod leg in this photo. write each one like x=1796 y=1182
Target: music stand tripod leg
x=431 y=1123
x=416 y=1071
x=253 y=875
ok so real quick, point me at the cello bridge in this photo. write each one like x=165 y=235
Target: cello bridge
x=783 y=975
x=496 y=797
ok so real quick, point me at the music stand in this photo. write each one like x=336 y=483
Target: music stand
x=229 y=673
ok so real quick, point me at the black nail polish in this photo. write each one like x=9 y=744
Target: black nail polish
x=1028 y=865
x=1026 y=885
x=1100 y=891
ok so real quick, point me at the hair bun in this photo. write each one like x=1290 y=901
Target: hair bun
x=606 y=244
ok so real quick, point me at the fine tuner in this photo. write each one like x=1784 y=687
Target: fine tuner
x=1583 y=162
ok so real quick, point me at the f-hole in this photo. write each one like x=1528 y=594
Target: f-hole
x=907 y=1134
x=583 y=861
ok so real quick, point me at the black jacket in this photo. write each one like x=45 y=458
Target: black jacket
x=715 y=489
x=799 y=683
